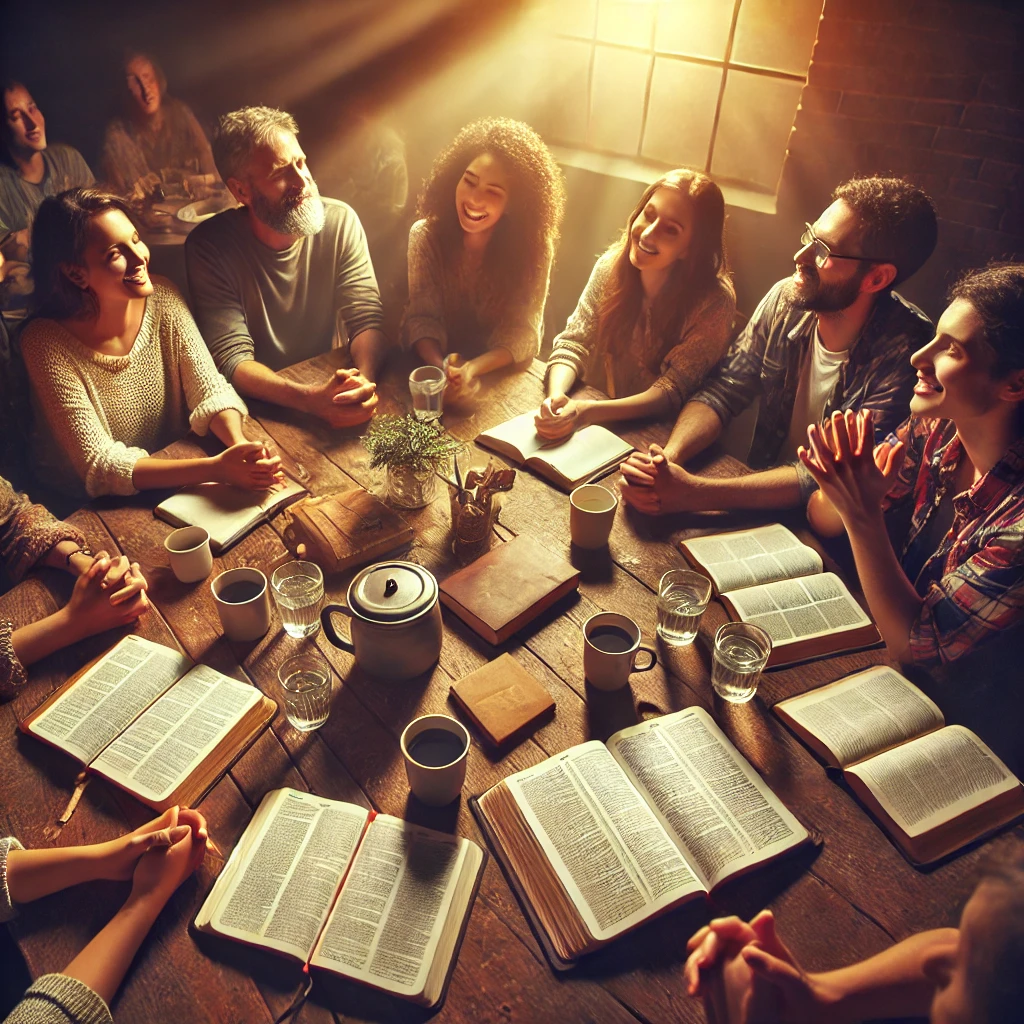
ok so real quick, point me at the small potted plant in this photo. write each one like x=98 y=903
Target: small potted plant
x=412 y=452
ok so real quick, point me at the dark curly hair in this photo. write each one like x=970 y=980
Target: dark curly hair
x=60 y=233
x=690 y=280
x=525 y=238
x=997 y=294
x=897 y=221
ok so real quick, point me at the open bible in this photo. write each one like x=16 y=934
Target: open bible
x=585 y=454
x=226 y=512
x=767 y=577
x=602 y=837
x=144 y=717
x=934 y=787
x=364 y=895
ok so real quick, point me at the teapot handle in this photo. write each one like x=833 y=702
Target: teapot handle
x=330 y=632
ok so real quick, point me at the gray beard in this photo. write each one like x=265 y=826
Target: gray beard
x=305 y=218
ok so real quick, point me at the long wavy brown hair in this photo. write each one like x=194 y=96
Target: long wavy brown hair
x=690 y=280
x=527 y=233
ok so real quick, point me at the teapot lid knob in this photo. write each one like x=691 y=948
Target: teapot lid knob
x=390 y=586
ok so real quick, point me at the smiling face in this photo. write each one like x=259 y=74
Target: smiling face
x=837 y=285
x=481 y=195
x=115 y=263
x=662 y=231
x=26 y=126
x=143 y=84
x=954 y=370
x=279 y=189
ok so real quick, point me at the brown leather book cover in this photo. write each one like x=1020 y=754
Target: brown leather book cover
x=508 y=587
x=503 y=699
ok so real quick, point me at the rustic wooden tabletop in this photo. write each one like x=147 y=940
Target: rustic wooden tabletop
x=847 y=899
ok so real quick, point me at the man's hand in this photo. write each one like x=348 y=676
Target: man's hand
x=852 y=474
x=560 y=416
x=247 y=465
x=345 y=399
x=652 y=484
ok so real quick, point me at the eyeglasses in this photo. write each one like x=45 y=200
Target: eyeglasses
x=822 y=253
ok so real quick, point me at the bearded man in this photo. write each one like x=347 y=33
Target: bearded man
x=834 y=336
x=285 y=276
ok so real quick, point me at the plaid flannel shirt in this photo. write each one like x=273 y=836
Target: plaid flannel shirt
x=973 y=583
x=767 y=357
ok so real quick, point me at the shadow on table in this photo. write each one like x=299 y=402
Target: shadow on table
x=661 y=944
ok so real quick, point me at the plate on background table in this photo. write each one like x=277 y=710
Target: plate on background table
x=204 y=209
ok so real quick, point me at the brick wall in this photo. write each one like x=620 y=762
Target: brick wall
x=929 y=90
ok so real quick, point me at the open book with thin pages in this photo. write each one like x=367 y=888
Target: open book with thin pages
x=603 y=837
x=149 y=720
x=226 y=512
x=584 y=455
x=363 y=895
x=934 y=787
x=768 y=577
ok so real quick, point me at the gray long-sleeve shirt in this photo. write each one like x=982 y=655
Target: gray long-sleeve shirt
x=278 y=308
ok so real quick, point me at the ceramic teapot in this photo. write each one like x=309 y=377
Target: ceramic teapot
x=395 y=620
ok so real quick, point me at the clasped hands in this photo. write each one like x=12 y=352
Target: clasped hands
x=96 y=606
x=560 y=416
x=345 y=399
x=746 y=975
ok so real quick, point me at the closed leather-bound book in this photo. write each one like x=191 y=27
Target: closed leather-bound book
x=508 y=587
x=503 y=700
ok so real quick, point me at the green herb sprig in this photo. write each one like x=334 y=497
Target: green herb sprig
x=407 y=441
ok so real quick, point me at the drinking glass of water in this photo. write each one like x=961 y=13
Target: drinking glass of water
x=682 y=597
x=298 y=589
x=306 y=689
x=426 y=385
x=741 y=650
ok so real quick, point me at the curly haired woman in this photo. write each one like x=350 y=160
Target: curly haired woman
x=656 y=313
x=479 y=265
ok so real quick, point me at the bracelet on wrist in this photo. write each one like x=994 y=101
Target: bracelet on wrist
x=86 y=550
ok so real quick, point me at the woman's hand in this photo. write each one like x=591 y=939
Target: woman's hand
x=118 y=858
x=561 y=416
x=851 y=473
x=247 y=465
x=161 y=869
x=462 y=381
x=93 y=610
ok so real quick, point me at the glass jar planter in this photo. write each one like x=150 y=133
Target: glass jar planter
x=408 y=487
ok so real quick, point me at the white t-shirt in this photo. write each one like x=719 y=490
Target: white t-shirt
x=818 y=378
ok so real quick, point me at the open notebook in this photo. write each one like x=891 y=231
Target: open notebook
x=934 y=787
x=602 y=837
x=585 y=454
x=767 y=577
x=363 y=895
x=226 y=512
x=146 y=718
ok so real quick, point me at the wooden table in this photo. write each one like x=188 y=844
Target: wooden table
x=850 y=899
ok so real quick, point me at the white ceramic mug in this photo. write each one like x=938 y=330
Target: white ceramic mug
x=188 y=551
x=248 y=619
x=610 y=669
x=591 y=514
x=436 y=784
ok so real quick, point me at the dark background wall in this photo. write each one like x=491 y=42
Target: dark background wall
x=917 y=87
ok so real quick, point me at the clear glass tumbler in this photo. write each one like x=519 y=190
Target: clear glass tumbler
x=682 y=597
x=298 y=589
x=741 y=650
x=426 y=385
x=306 y=689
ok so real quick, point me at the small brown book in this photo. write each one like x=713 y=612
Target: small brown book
x=508 y=587
x=503 y=699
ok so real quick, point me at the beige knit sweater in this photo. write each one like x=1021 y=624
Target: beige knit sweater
x=96 y=415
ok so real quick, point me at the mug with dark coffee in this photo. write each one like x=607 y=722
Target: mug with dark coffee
x=242 y=603
x=435 y=748
x=611 y=644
